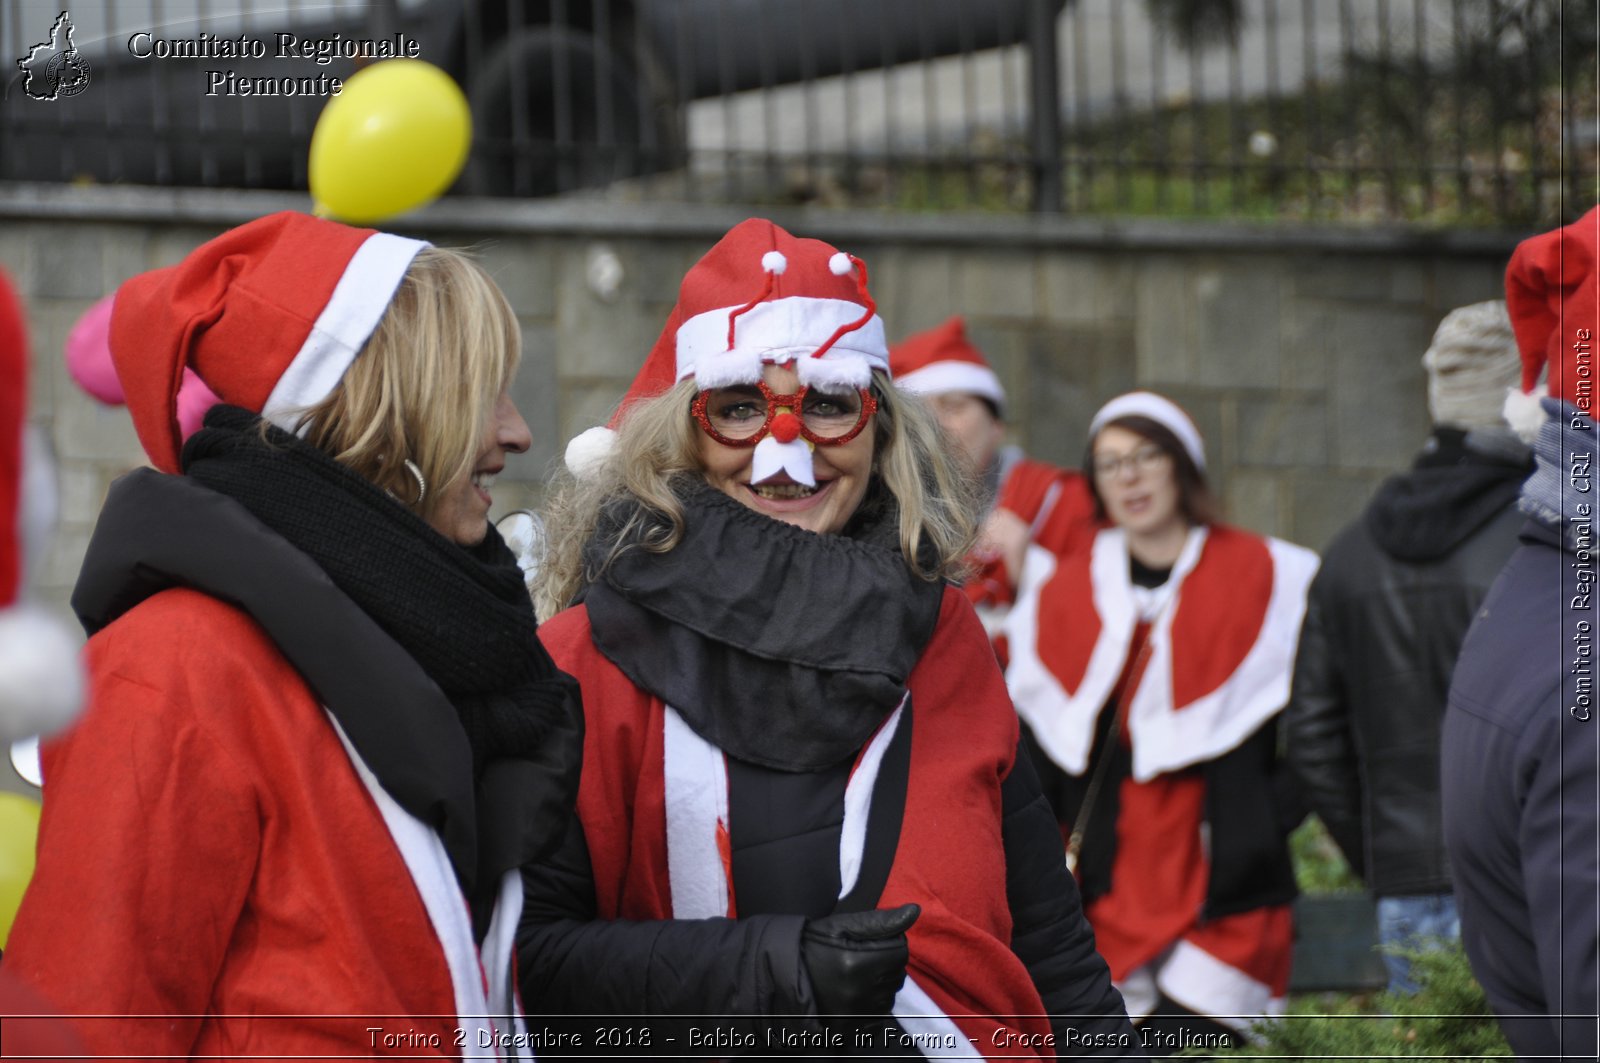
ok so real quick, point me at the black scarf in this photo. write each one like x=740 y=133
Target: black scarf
x=462 y=613
x=780 y=646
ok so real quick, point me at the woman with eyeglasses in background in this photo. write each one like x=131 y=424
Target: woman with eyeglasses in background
x=1150 y=670
x=804 y=816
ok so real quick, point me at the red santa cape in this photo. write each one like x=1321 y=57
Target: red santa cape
x=1221 y=652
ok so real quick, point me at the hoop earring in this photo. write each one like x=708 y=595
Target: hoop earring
x=422 y=485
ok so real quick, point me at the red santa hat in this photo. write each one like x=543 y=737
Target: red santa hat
x=943 y=360
x=1162 y=411
x=41 y=680
x=760 y=296
x=269 y=315
x=1553 y=296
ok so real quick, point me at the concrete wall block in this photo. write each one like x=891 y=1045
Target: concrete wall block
x=1254 y=500
x=596 y=339
x=68 y=261
x=997 y=283
x=1306 y=348
x=62 y=561
x=1320 y=506
x=524 y=270
x=82 y=486
x=1086 y=289
x=127 y=254
x=915 y=289
x=1237 y=322
x=17 y=247
x=1361 y=279
x=1461 y=282
x=536 y=391
x=86 y=429
x=587 y=405
x=1069 y=373
x=1281 y=431
x=1165 y=324
x=1379 y=393
x=49 y=322
x=170 y=245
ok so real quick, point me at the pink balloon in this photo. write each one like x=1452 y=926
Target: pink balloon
x=88 y=352
x=194 y=399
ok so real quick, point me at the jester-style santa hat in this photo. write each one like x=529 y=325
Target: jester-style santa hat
x=942 y=360
x=759 y=296
x=41 y=681
x=269 y=315
x=1162 y=411
x=1553 y=296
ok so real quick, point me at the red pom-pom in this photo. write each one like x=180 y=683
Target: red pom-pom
x=786 y=427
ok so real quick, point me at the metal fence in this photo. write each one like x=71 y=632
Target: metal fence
x=1437 y=111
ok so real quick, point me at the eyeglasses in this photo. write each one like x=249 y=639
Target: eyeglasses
x=1146 y=459
x=742 y=416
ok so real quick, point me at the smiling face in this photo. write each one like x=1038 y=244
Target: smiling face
x=462 y=512
x=1137 y=482
x=842 y=474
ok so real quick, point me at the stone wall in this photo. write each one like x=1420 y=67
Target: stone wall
x=1296 y=349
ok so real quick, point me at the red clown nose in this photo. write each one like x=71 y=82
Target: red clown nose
x=786 y=427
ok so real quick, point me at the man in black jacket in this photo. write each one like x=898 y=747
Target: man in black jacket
x=1385 y=620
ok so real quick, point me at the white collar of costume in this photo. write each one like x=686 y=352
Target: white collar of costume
x=1166 y=737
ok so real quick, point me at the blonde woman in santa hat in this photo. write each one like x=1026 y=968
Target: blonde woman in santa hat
x=1024 y=500
x=802 y=810
x=323 y=735
x=1150 y=670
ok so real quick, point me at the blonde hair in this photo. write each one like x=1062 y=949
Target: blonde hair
x=444 y=350
x=657 y=445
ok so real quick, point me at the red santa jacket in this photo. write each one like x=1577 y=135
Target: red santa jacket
x=220 y=876
x=963 y=980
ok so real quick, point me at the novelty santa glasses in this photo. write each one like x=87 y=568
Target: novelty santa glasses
x=744 y=415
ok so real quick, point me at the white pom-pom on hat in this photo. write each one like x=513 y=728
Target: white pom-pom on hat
x=1524 y=414
x=774 y=262
x=588 y=452
x=839 y=264
x=41 y=675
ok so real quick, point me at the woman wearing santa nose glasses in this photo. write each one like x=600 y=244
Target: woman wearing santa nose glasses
x=802 y=809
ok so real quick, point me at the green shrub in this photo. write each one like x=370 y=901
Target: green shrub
x=1448 y=1020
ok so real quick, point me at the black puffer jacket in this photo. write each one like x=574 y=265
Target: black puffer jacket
x=1385 y=620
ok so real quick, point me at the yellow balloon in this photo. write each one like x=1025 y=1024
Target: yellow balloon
x=19 y=830
x=391 y=141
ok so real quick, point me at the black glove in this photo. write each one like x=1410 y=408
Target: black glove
x=857 y=960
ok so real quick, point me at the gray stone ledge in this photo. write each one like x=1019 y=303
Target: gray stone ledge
x=597 y=216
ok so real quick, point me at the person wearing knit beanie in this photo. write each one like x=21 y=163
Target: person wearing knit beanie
x=323 y=736
x=1025 y=501
x=1520 y=749
x=1387 y=611
x=802 y=809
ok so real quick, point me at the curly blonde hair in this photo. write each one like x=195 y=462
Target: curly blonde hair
x=657 y=445
x=429 y=375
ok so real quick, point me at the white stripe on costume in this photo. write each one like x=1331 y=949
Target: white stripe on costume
x=343 y=327
x=482 y=1013
x=1204 y=984
x=858 y=801
x=931 y=1030
x=696 y=783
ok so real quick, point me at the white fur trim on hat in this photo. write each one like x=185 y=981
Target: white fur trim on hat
x=775 y=331
x=1163 y=411
x=588 y=451
x=940 y=378
x=343 y=328
x=841 y=372
x=41 y=674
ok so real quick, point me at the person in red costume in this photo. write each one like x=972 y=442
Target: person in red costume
x=802 y=810
x=322 y=734
x=1024 y=501
x=41 y=680
x=1150 y=670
